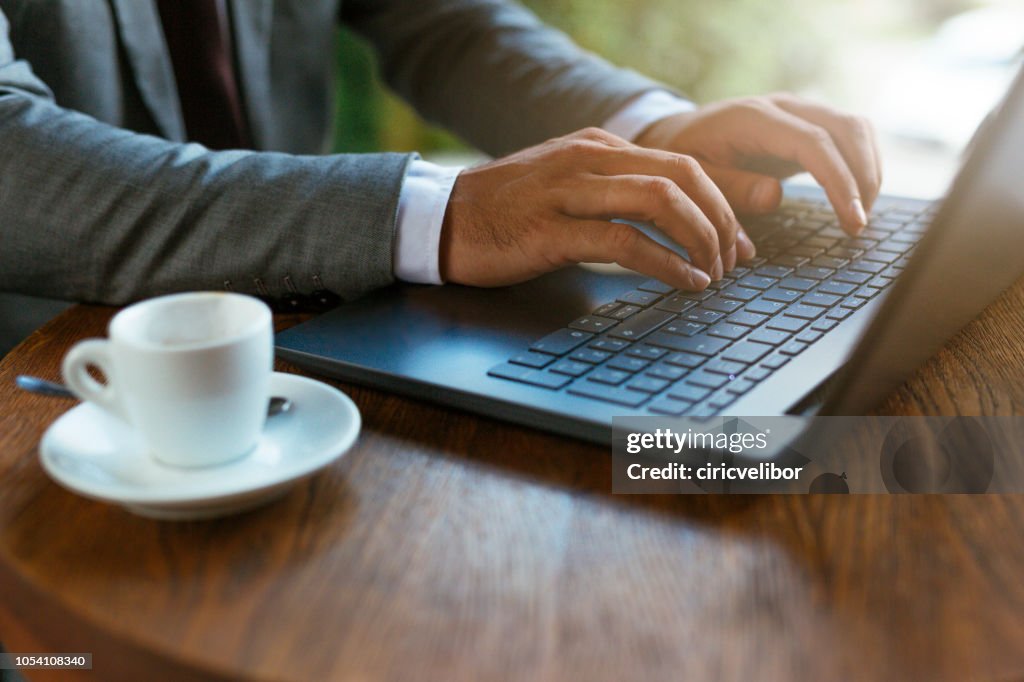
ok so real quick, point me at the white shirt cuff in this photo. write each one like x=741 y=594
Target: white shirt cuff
x=635 y=117
x=421 y=207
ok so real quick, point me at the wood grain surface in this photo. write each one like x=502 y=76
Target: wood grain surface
x=451 y=547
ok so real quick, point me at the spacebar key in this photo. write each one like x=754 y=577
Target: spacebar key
x=641 y=324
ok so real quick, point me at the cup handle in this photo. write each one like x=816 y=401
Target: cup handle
x=94 y=352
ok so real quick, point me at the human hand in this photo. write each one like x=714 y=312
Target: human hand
x=551 y=205
x=738 y=141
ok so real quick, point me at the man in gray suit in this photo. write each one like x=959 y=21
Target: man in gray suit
x=112 y=188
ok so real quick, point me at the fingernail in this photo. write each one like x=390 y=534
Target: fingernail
x=717 y=270
x=762 y=196
x=699 y=279
x=859 y=214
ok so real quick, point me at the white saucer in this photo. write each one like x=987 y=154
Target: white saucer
x=96 y=455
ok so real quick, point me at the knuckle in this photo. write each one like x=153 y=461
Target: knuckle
x=688 y=167
x=660 y=190
x=594 y=133
x=818 y=136
x=623 y=239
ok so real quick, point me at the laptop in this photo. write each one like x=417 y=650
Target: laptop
x=817 y=323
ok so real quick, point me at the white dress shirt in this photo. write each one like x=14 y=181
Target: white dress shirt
x=424 y=197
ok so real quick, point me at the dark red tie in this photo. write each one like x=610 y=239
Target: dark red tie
x=199 y=39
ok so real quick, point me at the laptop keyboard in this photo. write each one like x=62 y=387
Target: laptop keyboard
x=664 y=351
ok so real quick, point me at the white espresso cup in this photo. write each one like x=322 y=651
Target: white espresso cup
x=190 y=373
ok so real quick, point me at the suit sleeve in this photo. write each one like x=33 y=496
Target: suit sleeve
x=490 y=70
x=92 y=212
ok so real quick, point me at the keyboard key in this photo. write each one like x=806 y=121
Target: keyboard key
x=669 y=406
x=607 y=309
x=535 y=377
x=806 y=250
x=641 y=324
x=706 y=379
x=570 y=367
x=853 y=302
x=604 y=375
x=561 y=342
x=726 y=367
x=610 y=345
x=837 y=288
x=772 y=337
x=793 y=348
x=866 y=292
x=627 y=364
x=820 y=300
x=722 y=305
x=839 y=313
x=798 y=283
x=747 y=318
x=851 y=277
x=775 y=361
x=789 y=261
x=647 y=385
x=757 y=374
x=625 y=311
x=698 y=295
x=685 y=327
x=787 y=323
x=757 y=282
x=609 y=394
x=688 y=392
x=893 y=246
x=640 y=298
x=844 y=252
x=823 y=242
x=740 y=293
x=594 y=357
x=881 y=256
x=765 y=307
x=656 y=287
x=828 y=262
x=721 y=400
x=666 y=371
x=676 y=304
x=687 y=360
x=879 y=282
x=805 y=312
x=739 y=386
x=727 y=330
x=781 y=295
x=772 y=272
x=867 y=266
x=809 y=336
x=593 y=324
x=701 y=344
x=646 y=352
x=703 y=316
x=746 y=352
x=530 y=359
x=824 y=325
x=810 y=272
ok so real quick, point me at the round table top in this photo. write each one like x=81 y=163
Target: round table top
x=449 y=546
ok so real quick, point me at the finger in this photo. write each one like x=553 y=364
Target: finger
x=652 y=199
x=853 y=135
x=687 y=173
x=791 y=137
x=746 y=192
x=603 y=242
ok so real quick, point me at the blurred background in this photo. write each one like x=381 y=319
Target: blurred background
x=925 y=71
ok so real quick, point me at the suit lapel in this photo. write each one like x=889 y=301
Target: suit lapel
x=144 y=43
x=251 y=20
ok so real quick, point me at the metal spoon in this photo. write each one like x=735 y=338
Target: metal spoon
x=276 y=405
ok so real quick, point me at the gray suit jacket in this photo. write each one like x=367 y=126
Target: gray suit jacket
x=102 y=199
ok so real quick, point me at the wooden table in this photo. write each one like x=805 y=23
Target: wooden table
x=447 y=546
